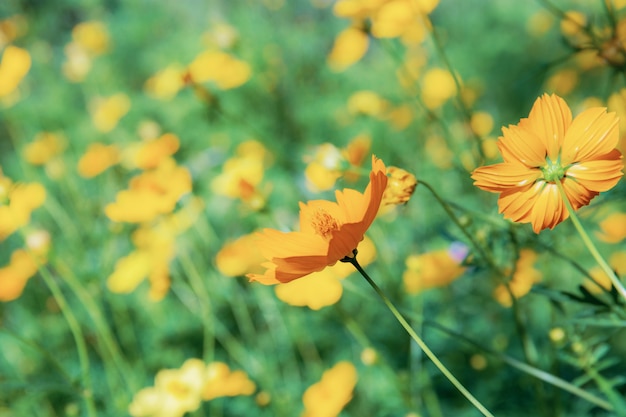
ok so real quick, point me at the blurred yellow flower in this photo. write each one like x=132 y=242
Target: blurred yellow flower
x=220 y=68
x=97 y=159
x=242 y=174
x=547 y=147
x=22 y=200
x=89 y=39
x=166 y=83
x=13 y=277
x=44 y=147
x=350 y=46
x=524 y=276
x=562 y=82
x=11 y=28
x=14 y=66
x=573 y=25
x=179 y=391
x=481 y=123
x=92 y=36
x=367 y=103
x=329 y=232
x=613 y=228
x=400 y=186
x=154 y=250
x=175 y=392
x=434 y=269
x=438 y=86
x=149 y=154
x=394 y=18
x=324 y=168
x=220 y=36
x=400 y=117
x=323 y=288
x=222 y=382
x=151 y=193
x=106 y=112
x=617 y=261
x=330 y=395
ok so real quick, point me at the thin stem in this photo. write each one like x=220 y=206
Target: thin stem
x=589 y=244
x=417 y=339
x=79 y=339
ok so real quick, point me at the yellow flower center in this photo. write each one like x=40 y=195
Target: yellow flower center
x=324 y=224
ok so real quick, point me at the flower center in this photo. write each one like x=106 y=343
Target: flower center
x=553 y=171
x=324 y=224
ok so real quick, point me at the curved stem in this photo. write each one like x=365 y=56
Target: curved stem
x=417 y=339
x=79 y=339
x=589 y=244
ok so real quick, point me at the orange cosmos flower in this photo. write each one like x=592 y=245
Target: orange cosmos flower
x=329 y=232
x=549 y=146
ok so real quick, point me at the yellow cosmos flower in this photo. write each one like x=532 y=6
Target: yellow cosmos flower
x=400 y=187
x=434 y=269
x=22 y=200
x=14 y=66
x=242 y=174
x=165 y=84
x=437 y=87
x=350 y=46
x=613 y=228
x=224 y=70
x=44 y=147
x=97 y=159
x=524 y=277
x=13 y=277
x=222 y=382
x=550 y=146
x=107 y=112
x=330 y=395
x=323 y=288
x=329 y=232
x=92 y=36
x=618 y=264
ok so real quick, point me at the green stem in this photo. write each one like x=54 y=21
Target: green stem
x=79 y=339
x=417 y=339
x=589 y=244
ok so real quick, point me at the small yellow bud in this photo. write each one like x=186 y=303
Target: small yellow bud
x=400 y=186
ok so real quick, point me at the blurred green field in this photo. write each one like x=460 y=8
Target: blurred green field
x=140 y=139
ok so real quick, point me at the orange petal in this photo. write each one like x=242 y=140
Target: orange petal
x=577 y=194
x=599 y=175
x=522 y=145
x=516 y=203
x=594 y=132
x=549 y=119
x=548 y=209
x=500 y=177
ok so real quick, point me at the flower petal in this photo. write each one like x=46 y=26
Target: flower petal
x=593 y=132
x=549 y=119
x=577 y=194
x=516 y=203
x=548 y=209
x=523 y=146
x=501 y=177
x=599 y=175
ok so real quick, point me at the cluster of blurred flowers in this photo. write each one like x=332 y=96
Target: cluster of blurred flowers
x=382 y=19
x=17 y=202
x=15 y=62
x=179 y=391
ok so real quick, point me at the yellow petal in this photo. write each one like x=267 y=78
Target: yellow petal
x=503 y=176
x=523 y=146
x=593 y=133
x=600 y=175
x=317 y=290
x=549 y=119
x=349 y=47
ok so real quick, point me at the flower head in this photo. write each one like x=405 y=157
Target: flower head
x=547 y=147
x=329 y=232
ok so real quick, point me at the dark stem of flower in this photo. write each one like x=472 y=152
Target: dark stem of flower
x=407 y=327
